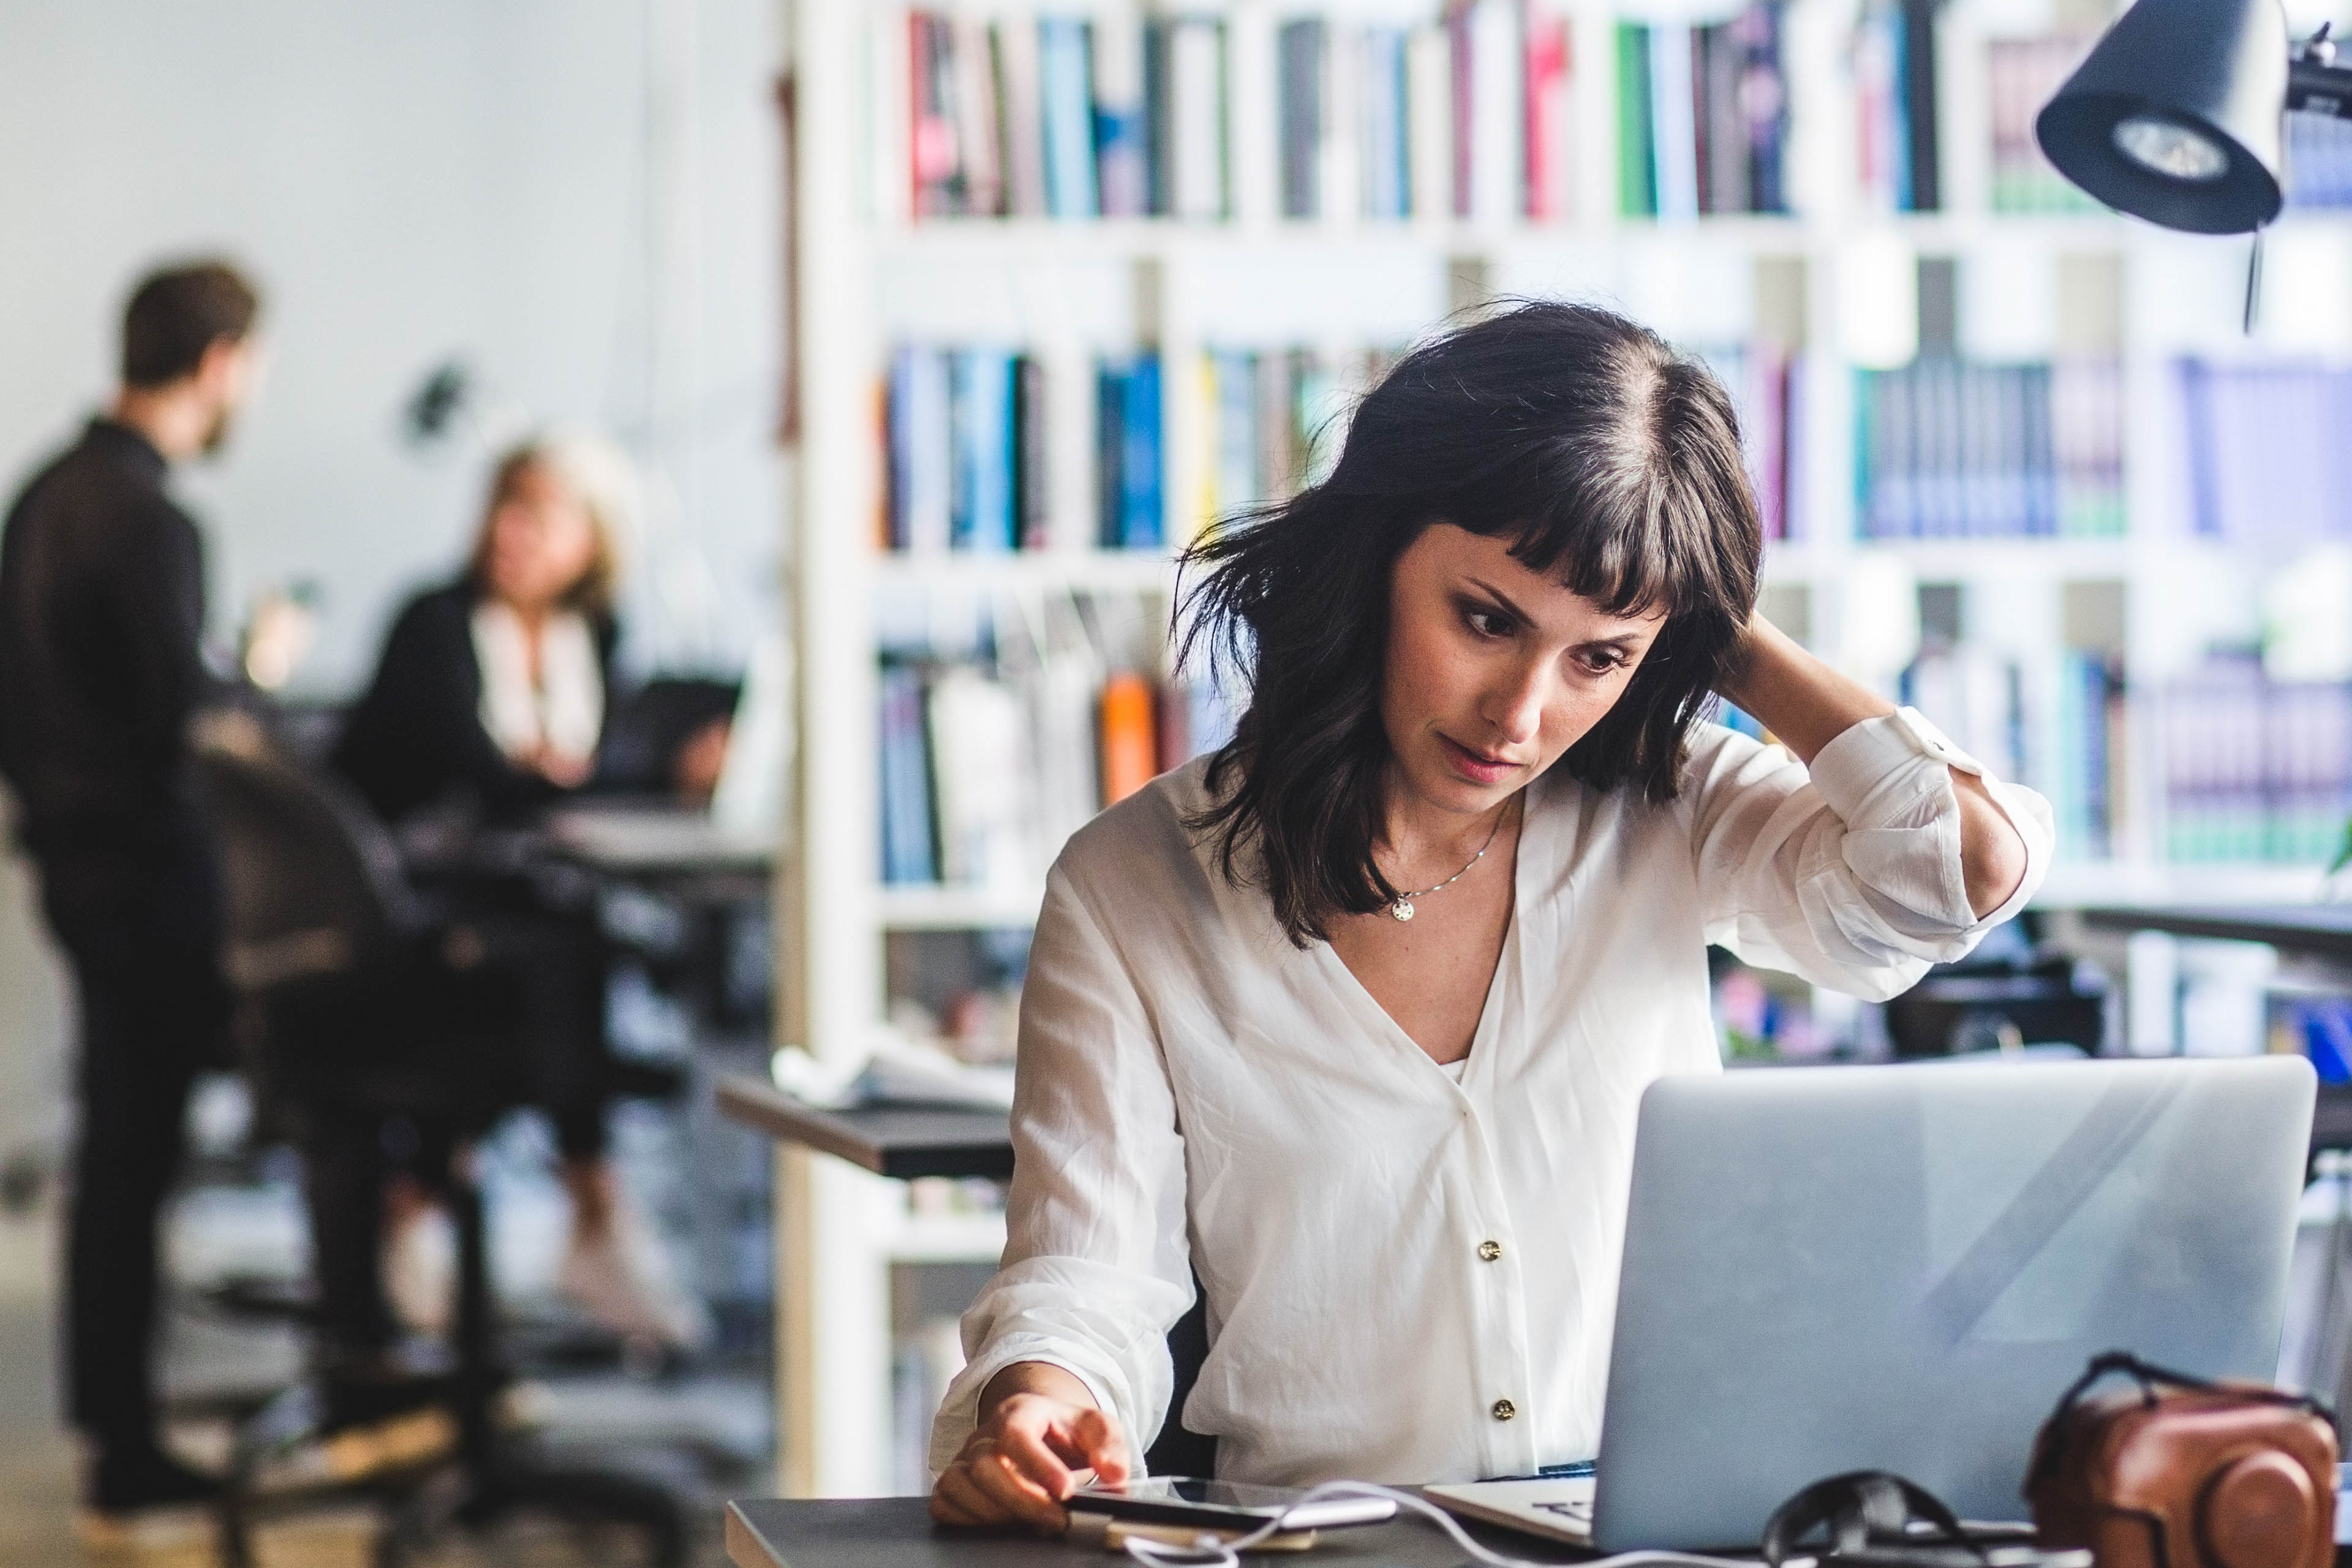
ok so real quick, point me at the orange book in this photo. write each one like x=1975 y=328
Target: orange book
x=1129 y=736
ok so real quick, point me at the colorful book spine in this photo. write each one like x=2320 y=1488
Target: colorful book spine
x=1299 y=48
x=1637 y=163
x=1066 y=75
x=1130 y=736
x=982 y=433
x=909 y=851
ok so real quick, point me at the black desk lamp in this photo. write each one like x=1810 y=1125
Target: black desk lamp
x=2177 y=115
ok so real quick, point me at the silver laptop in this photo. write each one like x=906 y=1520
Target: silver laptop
x=1900 y=1269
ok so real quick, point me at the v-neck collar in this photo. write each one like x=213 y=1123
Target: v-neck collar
x=1376 y=1019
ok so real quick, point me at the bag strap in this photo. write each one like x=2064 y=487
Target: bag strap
x=1860 y=1508
x=2149 y=1377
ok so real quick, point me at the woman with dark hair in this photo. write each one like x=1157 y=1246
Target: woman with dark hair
x=1350 y=1019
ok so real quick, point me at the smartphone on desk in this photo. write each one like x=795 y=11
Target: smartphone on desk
x=1229 y=1506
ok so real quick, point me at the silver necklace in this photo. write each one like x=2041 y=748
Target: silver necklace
x=1402 y=909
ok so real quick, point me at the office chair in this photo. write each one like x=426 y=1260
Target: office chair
x=359 y=1010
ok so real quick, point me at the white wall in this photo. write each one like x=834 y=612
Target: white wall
x=579 y=197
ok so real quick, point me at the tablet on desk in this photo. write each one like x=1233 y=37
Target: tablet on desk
x=1225 y=1505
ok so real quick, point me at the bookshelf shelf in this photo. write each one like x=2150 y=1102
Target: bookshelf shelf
x=1081 y=571
x=910 y=909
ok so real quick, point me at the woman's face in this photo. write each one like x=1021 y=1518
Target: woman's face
x=542 y=541
x=1493 y=669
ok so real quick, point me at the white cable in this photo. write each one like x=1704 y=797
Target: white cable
x=1213 y=1551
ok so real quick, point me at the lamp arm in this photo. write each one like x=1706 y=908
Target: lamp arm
x=2319 y=89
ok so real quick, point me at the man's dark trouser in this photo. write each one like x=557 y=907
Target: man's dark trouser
x=141 y=925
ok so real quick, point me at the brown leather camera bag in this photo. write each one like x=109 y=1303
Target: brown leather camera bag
x=2184 y=1473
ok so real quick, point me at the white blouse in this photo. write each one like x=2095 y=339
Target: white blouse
x=1412 y=1279
x=563 y=709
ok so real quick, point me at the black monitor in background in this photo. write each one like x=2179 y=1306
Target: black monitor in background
x=648 y=725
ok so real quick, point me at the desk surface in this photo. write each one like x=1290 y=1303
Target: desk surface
x=889 y=1141
x=637 y=838
x=875 y=1532
x=2322 y=929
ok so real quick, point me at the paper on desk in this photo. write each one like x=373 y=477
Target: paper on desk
x=896 y=1071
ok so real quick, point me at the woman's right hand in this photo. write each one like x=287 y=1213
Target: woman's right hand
x=1039 y=1432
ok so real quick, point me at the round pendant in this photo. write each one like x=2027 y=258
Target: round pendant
x=1401 y=909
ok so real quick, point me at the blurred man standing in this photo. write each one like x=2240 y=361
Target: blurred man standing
x=101 y=613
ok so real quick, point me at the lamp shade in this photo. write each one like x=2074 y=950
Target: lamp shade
x=2177 y=115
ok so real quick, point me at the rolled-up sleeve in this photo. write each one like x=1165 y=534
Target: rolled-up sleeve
x=1850 y=874
x=1095 y=1269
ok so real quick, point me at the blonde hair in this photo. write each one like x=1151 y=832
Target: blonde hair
x=597 y=476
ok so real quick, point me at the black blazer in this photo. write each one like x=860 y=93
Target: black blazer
x=417 y=737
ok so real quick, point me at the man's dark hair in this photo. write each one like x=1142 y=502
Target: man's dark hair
x=1608 y=459
x=174 y=315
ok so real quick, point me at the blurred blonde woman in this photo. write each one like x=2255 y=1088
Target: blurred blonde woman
x=490 y=699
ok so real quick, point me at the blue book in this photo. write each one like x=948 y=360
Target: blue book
x=1065 y=71
x=908 y=853
x=1139 y=526
x=1237 y=466
x=1122 y=130
x=981 y=419
x=1388 y=155
x=918 y=416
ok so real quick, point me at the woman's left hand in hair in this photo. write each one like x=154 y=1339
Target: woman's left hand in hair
x=1806 y=705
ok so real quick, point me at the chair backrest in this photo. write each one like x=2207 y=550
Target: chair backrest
x=311 y=882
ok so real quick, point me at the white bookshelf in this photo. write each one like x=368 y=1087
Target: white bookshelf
x=1070 y=290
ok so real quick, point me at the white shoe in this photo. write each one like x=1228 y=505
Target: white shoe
x=623 y=1278
x=420 y=1268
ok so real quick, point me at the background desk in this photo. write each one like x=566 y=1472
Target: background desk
x=843 y=1219
x=870 y=1532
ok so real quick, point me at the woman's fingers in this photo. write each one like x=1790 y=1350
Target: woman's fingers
x=954 y=1500
x=1018 y=1498
x=1029 y=1448
x=1100 y=1445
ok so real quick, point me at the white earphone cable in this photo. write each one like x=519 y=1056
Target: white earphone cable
x=1215 y=1552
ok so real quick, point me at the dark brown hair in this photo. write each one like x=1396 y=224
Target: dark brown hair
x=1605 y=456
x=174 y=315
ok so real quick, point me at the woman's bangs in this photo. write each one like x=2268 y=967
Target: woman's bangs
x=1610 y=548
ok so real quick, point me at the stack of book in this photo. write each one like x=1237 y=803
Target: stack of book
x=2022 y=74
x=1702 y=117
x=993 y=755
x=1947 y=448
x=2262 y=441
x=966 y=460
x=1894 y=85
x=2255 y=769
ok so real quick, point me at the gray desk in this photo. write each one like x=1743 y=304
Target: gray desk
x=905 y=1141
x=872 y=1533
x=2324 y=931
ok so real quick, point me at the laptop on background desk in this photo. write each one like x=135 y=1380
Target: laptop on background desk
x=1901 y=1268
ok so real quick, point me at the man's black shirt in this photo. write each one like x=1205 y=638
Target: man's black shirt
x=101 y=613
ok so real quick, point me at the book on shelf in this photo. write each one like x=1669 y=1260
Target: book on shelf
x=1064 y=115
x=1702 y=116
x=994 y=751
x=2318 y=161
x=1129 y=438
x=1125 y=111
x=2255 y=769
x=1895 y=98
x=2087 y=795
x=1766 y=390
x=2020 y=76
x=1945 y=447
x=2261 y=436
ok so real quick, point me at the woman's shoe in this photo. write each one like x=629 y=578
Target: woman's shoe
x=622 y=1279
